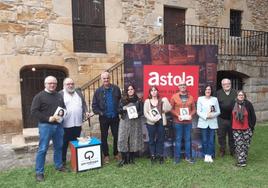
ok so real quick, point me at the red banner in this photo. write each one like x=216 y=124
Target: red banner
x=167 y=77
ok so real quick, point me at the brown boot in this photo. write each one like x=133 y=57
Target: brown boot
x=222 y=152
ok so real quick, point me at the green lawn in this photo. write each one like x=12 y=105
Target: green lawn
x=222 y=173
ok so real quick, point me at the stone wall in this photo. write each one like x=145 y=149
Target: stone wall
x=139 y=17
x=256 y=83
x=39 y=32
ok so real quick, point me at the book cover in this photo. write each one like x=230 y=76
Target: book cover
x=132 y=112
x=154 y=113
x=60 y=112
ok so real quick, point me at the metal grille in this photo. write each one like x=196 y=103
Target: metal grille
x=31 y=83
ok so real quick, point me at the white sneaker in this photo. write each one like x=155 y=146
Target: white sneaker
x=206 y=159
x=210 y=160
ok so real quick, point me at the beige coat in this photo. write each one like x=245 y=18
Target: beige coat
x=166 y=107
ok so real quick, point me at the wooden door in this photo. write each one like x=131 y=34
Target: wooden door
x=31 y=83
x=89 y=26
x=174 y=29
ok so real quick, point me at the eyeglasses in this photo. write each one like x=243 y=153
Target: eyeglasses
x=70 y=84
x=51 y=83
x=241 y=95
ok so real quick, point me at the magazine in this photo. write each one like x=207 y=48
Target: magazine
x=132 y=112
x=61 y=113
x=154 y=113
x=184 y=114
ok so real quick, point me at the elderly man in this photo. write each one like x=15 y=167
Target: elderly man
x=183 y=109
x=226 y=97
x=76 y=112
x=43 y=108
x=105 y=104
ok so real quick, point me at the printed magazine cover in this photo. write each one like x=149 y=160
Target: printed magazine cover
x=61 y=112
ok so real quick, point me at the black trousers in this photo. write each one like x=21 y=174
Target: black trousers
x=70 y=134
x=105 y=123
x=225 y=128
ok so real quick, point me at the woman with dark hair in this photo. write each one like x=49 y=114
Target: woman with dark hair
x=130 y=138
x=154 y=111
x=208 y=110
x=243 y=123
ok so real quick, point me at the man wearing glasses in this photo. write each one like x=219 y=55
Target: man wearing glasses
x=226 y=97
x=183 y=110
x=43 y=108
x=77 y=112
x=106 y=104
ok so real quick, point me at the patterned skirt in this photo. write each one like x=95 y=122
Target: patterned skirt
x=242 y=139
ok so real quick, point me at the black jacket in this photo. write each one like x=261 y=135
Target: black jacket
x=251 y=114
x=99 y=101
x=139 y=106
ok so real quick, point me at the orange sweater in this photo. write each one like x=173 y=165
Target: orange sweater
x=177 y=103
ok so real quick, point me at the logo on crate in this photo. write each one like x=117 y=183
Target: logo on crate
x=89 y=155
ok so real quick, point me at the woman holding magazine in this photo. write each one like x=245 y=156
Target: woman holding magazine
x=208 y=111
x=154 y=112
x=130 y=128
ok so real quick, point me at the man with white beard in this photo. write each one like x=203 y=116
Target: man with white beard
x=77 y=111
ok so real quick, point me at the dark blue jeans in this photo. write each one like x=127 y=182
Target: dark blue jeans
x=156 y=138
x=208 y=144
x=182 y=131
x=46 y=133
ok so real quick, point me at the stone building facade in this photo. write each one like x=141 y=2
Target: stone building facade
x=39 y=34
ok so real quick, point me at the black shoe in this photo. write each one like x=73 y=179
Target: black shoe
x=190 y=160
x=161 y=160
x=124 y=159
x=131 y=158
x=241 y=164
x=63 y=169
x=121 y=163
x=153 y=160
x=39 y=177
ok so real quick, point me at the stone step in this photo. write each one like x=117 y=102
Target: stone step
x=31 y=135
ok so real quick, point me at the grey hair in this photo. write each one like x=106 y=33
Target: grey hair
x=50 y=77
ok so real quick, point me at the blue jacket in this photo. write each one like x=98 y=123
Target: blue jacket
x=99 y=102
x=204 y=106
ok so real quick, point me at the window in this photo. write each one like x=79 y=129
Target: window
x=235 y=23
x=89 y=26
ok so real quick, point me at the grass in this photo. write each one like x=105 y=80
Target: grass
x=222 y=173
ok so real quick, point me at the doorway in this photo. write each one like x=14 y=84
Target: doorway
x=235 y=77
x=32 y=82
x=174 y=29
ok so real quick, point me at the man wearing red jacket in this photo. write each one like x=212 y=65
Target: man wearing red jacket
x=183 y=109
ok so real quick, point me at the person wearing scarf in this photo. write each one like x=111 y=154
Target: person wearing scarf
x=243 y=123
x=130 y=138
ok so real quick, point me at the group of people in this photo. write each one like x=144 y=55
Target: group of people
x=229 y=112
x=50 y=126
